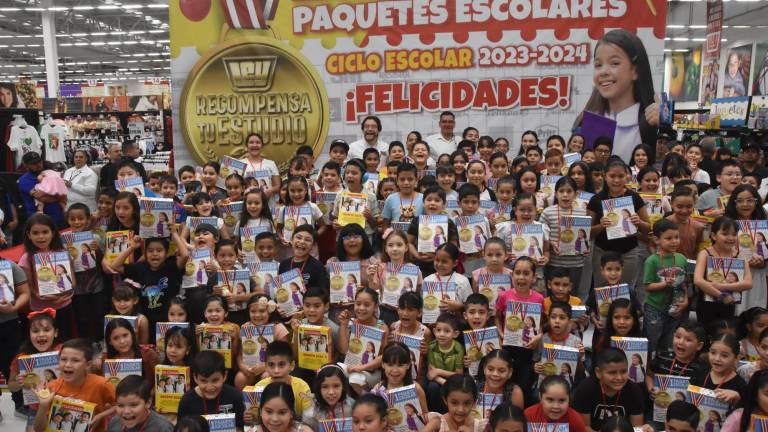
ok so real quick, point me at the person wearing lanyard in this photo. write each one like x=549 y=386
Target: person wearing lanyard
x=133 y=413
x=257 y=166
x=81 y=181
x=332 y=401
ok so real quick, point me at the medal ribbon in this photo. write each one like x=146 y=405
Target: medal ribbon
x=148 y=205
x=336 y=267
x=293 y=212
x=610 y=205
x=664 y=382
x=359 y=329
x=113 y=367
x=621 y=344
x=696 y=398
x=750 y=227
x=248 y=330
x=473 y=337
x=390 y=399
x=538 y=427
x=518 y=229
x=163 y=328
x=551 y=353
x=484 y=279
x=431 y=286
x=503 y=210
x=394 y=269
x=46 y=260
x=491 y=407
x=260 y=330
x=463 y=221
x=604 y=294
x=761 y=421
x=447 y=283
x=227 y=275
x=28 y=362
x=253 y=398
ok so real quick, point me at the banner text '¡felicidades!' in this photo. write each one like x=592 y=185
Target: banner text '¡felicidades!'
x=545 y=92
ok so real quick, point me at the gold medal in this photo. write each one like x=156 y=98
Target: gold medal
x=519 y=243
x=236 y=74
x=393 y=283
x=249 y=347
x=72 y=251
x=465 y=234
x=567 y=236
x=230 y=220
x=425 y=233
x=475 y=414
x=31 y=381
x=716 y=277
x=224 y=171
x=547 y=191
x=45 y=274
x=248 y=245
x=113 y=380
x=603 y=308
x=550 y=368
x=564 y=170
x=487 y=292
x=189 y=269
x=290 y=224
x=663 y=399
x=258 y=280
x=160 y=344
x=474 y=353
x=282 y=295
x=44 y=394
x=500 y=219
x=262 y=340
x=514 y=323
x=613 y=217
x=745 y=241
x=337 y=282
x=431 y=302
x=225 y=290
x=394 y=416
x=355 y=345
x=254 y=411
x=323 y=207
x=147 y=219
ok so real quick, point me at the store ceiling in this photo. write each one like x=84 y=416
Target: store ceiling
x=129 y=39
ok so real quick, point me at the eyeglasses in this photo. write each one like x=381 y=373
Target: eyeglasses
x=741 y=201
x=351 y=237
x=603 y=151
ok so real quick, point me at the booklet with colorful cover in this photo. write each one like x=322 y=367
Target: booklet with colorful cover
x=231 y=212
x=404 y=410
x=314 y=346
x=229 y=166
x=668 y=388
x=398 y=279
x=134 y=185
x=433 y=231
x=69 y=414
x=433 y=292
x=582 y=199
x=547 y=185
x=288 y=291
x=237 y=282
x=570 y=158
x=574 y=235
x=251 y=400
x=221 y=422
x=170 y=386
x=752 y=238
x=254 y=340
x=526 y=240
x=336 y=425
x=195 y=273
x=38 y=369
x=79 y=244
x=713 y=410
x=156 y=215
x=490 y=285
x=195 y=221
x=559 y=360
x=296 y=216
x=116 y=243
x=548 y=427
x=216 y=338
x=371 y=184
x=414 y=346
x=653 y=207
x=117 y=369
x=351 y=208
x=161 y=328
x=248 y=241
x=725 y=270
x=473 y=233
x=522 y=323
x=604 y=296
x=54 y=273
x=131 y=319
x=478 y=343
x=486 y=403
x=452 y=209
x=636 y=350
x=7 y=293
x=619 y=211
x=364 y=344
x=500 y=213
x=263 y=274
x=325 y=201
x=345 y=280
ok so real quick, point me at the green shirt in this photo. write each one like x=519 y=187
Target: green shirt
x=451 y=360
x=654 y=270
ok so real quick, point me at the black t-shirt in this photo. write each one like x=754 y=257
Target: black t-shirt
x=230 y=401
x=158 y=287
x=702 y=379
x=665 y=364
x=588 y=398
x=621 y=245
x=313 y=272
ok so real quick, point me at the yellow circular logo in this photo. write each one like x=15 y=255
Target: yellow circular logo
x=253 y=84
x=337 y=282
x=249 y=347
x=465 y=234
x=147 y=219
x=355 y=346
x=567 y=235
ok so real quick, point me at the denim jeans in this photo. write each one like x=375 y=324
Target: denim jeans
x=659 y=327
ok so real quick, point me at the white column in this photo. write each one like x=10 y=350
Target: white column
x=51 y=49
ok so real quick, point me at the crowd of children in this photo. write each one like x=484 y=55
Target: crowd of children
x=396 y=292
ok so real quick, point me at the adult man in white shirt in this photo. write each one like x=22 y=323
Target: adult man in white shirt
x=371 y=127
x=445 y=141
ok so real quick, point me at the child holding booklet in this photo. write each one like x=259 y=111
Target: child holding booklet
x=125 y=302
x=683 y=201
x=469 y=201
x=558 y=333
x=333 y=397
x=446 y=259
x=276 y=410
x=524 y=214
x=75 y=357
x=555 y=397
x=262 y=311
x=395 y=254
x=316 y=305
x=409 y=308
x=494 y=255
x=713 y=266
x=721 y=375
x=459 y=393
x=122 y=344
x=211 y=394
x=396 y=362
x=42 y=236
x=494 y=376
x=280 y=364
x=434 y=204
x=311 y=269
x=226 y=258
x=256 y=212
x=754 y=403
x=362 y=377
x=132 y=411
